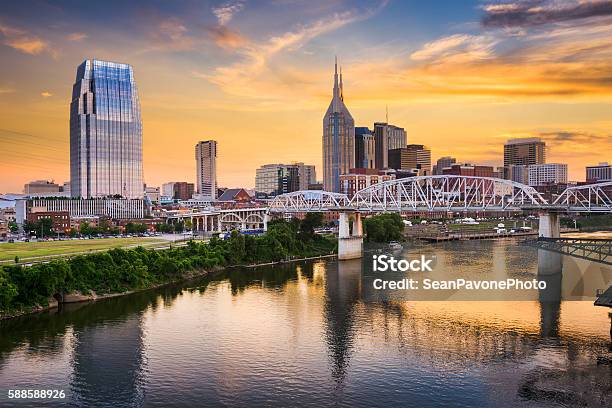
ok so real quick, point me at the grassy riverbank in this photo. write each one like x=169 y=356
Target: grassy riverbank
x=29 y=250
x=121 y=270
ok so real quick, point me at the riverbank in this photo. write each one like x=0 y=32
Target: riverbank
x=118 y=272
x=78 y=297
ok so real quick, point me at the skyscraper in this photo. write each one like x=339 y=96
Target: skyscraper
x=388 y=137
x=524 y=151
x=206 y=168
x=338 y=138
x=105 y=132
x=412 y=157
x=365 y=148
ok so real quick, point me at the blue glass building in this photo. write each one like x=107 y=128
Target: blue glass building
x=105 y=132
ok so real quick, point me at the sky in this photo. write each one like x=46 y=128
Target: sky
x=460 y=76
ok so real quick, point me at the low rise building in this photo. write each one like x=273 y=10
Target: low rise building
x=60 y=219
x=360 y=178
x=153 y=194
x=115 y=208
x=8 y=214
x=467 y=169
x=41 y=187
x=178 y=190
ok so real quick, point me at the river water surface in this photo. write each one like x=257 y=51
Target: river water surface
x=312 y=334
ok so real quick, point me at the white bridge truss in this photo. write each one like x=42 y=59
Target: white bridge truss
x=447 y=193
x=587 y=198
x=309 y=201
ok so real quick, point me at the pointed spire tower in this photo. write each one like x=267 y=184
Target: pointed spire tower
x=338 y=137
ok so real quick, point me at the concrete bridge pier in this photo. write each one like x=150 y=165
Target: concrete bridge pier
x=549 y=225
x=350 y=243
x=549 y=263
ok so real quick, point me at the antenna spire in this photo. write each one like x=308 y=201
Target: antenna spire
x=341 y=87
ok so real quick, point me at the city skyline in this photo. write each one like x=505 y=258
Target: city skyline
x=461 y=81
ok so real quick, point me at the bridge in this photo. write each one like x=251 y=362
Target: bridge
x=443 y=194
x=591 y=249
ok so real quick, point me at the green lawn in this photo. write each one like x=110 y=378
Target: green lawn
x=25 y=250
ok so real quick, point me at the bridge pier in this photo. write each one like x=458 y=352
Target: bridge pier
x=549 y=226
x=350 y=244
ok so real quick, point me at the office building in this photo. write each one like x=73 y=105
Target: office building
x=517 y=173
x=60 y=220
x=105 y=132
x=467 y=169
x=388 y=137
x=116 y=208
x=206 y=169
x=274 y=179
x=41 y=187
x=360 y=178
x=525 y=152
x=412 y=157
x=307 y=175
x=338 y=138
x=600 y=173
x=543 y=174
x=153 y=194
x=365 y=148
x=442 y=163
x=178 y=190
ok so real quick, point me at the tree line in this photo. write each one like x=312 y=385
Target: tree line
x=120 y=270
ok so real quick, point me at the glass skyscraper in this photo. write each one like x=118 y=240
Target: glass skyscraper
x=338 y=139
x=105 y=132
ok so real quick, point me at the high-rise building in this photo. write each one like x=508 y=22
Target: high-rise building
x=206 y=168
x=365 y=148
x=41 y=187
x=411 y=157
x=525 y=151
x=105 y=132
x=517 y=173
x=442 y=163
x=601 y=172
x=388 y=137
x=542 y=174
x=274 y=179
x=307 y=175
x=338 y=138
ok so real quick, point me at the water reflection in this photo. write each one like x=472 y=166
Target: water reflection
x=311 y=334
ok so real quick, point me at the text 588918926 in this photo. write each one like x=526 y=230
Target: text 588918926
x=36 y=394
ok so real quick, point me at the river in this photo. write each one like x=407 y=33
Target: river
x=312 y=334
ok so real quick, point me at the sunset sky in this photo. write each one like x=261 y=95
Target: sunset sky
x=257 y=76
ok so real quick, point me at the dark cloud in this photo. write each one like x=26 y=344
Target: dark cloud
x=538 y=12
x=562 y=136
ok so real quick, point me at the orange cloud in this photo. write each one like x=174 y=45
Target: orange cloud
x=226 y=38
x=22 y=41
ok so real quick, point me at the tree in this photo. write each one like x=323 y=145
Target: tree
x=311 y=221
x=13 y=227
x=384 y=227
x=179 y=226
